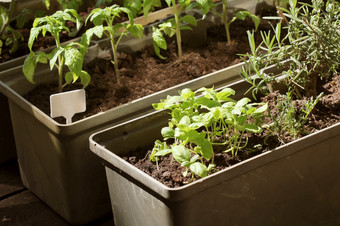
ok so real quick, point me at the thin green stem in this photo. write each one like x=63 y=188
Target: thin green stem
x=178 y=28
x=115 y=58
x=225 y=21
x=61 y=64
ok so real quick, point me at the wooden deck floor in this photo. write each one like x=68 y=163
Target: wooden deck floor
x=20 y=207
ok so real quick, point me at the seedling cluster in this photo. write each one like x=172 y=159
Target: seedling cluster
x=200 y=122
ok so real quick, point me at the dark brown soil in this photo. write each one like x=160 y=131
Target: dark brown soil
x=170 y=172
x=143 y=73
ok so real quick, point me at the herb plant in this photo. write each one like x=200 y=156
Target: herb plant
x=71 y=55
x=289 y=118
x=103 y=19
x=200 y=122
x=311 y=46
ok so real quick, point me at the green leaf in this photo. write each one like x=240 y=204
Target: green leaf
x=185 y=121
x=159 y=39
x=163 y=152
x=85 y=78
x=253 y=128
x=136 y=30
x=29 y=66
x=224 y=94
x=207 y=102
x=69 y=77
x=181 y=154
x=167 y=132
x=261 y=109
x=54 y=56
x=189 y=19
x=199 y=169
x=73 y=59
x=147 y=5
x=242 y=102
x=33 y=35
x=158 y=51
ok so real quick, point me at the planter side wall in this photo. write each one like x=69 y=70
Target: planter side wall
x=8 y=151
x=60 y=170
x=300 y=189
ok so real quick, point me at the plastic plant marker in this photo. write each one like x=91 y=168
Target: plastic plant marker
x=67 y=104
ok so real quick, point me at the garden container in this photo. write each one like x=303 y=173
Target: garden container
x=54 y=159
x=294 y=184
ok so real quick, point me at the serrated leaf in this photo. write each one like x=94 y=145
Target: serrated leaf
x=73 y=59
x=54 y=56
x=159 y=39
x=33 y=35
x=136 y=30
x=199 y=169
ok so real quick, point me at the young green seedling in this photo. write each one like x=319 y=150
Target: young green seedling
x=241 y=15
x=203 y=119
x=71 y=55
x=103 y=19
x=173 y=27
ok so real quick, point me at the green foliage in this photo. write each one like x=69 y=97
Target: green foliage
x=104 y=21
x=240 y=15
x=138 y=7
x=8 y=35
x=65 y=4
x=203 y=119
x=71 y=55
x=290 y=119
x=173 y=27
x=311 y=46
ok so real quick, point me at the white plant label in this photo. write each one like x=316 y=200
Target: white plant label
x=67 y=104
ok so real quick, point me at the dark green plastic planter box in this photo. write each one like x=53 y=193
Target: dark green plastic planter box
x=295 y=184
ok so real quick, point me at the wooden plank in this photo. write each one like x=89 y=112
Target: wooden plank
x=26 y=209
x=10 y=182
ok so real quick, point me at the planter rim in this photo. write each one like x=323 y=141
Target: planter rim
x=112 y=160
x=102 y=117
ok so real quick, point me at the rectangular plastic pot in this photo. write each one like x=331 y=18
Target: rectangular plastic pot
x=295 y=184
x=55 y=161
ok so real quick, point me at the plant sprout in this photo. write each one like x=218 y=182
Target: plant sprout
x=71 y=55
x=241 y=15
x=103 y=20
x=173 y=27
